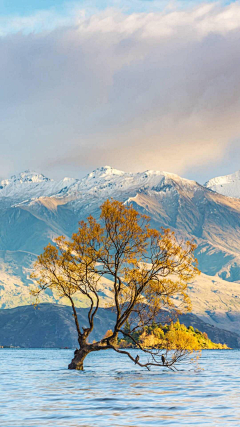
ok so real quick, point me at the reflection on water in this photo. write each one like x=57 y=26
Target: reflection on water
x=36 y=389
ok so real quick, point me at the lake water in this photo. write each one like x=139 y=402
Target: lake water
x=36 y=389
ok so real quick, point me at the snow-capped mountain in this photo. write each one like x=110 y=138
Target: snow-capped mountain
x=28 y=185
x=228 y=185
x=106 y=181
x=35 y=209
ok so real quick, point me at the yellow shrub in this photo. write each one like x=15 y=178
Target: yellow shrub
x=178 y=339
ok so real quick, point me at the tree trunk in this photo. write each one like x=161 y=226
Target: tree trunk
x=77 y=361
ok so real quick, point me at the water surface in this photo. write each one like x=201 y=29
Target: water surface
x=37 y=389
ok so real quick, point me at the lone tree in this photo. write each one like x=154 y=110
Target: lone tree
x=149 y=269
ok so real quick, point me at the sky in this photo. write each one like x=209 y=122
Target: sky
x=134 y=84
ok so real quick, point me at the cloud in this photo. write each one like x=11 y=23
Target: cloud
x=137 y=91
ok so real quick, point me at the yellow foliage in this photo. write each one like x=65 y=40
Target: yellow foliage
x=108 y=334
x=175 y=336
x=178 y=339
x=148 y=341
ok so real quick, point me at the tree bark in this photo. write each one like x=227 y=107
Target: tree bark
x=77 y=361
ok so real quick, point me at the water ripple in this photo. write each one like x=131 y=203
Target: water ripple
x=37 y=390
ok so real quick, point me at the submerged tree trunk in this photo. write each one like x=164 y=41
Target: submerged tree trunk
x=77 y=361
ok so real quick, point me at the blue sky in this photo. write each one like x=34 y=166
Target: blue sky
x=23 y=7
x=26 y=7
x=36 y=16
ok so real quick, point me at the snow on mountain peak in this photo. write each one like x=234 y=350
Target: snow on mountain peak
x=29 y=176
x=228 y=185
x=24 y=177
x=104 y=171
x=103 y=183
x=30 y=184
x=103 y=177
x=107 y=182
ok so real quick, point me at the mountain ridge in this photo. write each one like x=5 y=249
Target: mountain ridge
x=228 y=185
x=30 y=185
x=51 y=326
x=34 y=210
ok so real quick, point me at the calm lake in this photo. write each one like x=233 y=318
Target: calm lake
x=36 y=389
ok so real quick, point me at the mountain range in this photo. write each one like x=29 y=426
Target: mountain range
x=35 y=209
x=52 y=325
